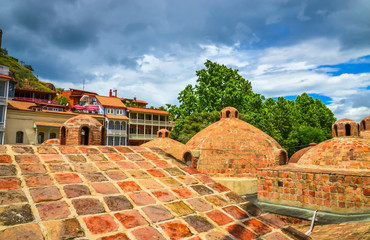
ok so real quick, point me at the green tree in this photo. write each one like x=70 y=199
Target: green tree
x=29 y=67
x=4 y=51
x=62 y=100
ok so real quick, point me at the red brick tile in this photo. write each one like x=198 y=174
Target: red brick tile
x=174 y=171
x=7 y=170
x=276 y=236
x=161 y=163
x=157 y=173
x=164 y=195
x=23 y=149
x=38 y=180
x=45 y=194
x=95 y=177
x=97 y=157
x=46 y=150
x=131 y=218
x=26 y=231
x=27 y=159
x=146 y=233
x=100 y=224
x=129 y=186
x=219 y=217
x=116 y=175
x=104 y=188
x=200 y=204
x=216 y=200
x=201 y=189
x=133 y=157
x=104 y=166
x=157 y=213
x=32 y=168
x=190 y=170
x=257 y=227
x=138 y=174
x=126 y=165
x=204 y=178
x=236 y=212
x=115 y=157
x=142 y=198
x=85 y=206
x=52 y=158
x=117 y=203
x=5 y=159
x=107 y=149
x=145 y=165
x=85 y=167
x=176 y=230
x=65 y=178
x=76 y=158
x=179 y=208
x=9 y=183
x=12 y=196
x=200 y=224
x=89 y=150
x=139 y=149
x=240 y=232
x=183 y=192
x=188 y=180
x=214 y=235
x=118 y=236
x=150 y=156
x=53 y=210
x=123 y=149
x=75 y=190
x=150 y=184
x=64 y=229
x=170 y=182
x=68 y=150
x=59 y=168
x=219 y=187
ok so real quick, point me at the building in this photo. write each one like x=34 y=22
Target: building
x=74 y=95
x=6 y=92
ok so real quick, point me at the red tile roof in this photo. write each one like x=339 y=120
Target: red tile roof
x=120 y=117
x=134 y=109
x=110 y=101
x=49 y=124
x=5 y=76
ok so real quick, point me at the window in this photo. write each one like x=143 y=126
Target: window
x=40 y=138
x=110 y=141
x=110 y=111
x=123 y=126
x=116 y=141
x=132 y=130
x=148 y=131
x=117 y=125
x=123 y=141
x=111 y=125
x=53 y=135
x=19 y=137
x=85 y=136
x=119 y=111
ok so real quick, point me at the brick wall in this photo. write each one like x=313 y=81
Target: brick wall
x=336 y=191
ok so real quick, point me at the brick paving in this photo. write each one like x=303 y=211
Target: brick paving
x=68 y=192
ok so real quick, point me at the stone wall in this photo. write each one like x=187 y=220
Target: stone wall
x=336 y=191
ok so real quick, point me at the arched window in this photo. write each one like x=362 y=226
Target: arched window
x=85 y=136
x=40 y=138
x=111 y=125
x=363 y=125
x=53 y=135
x=63 y=136
x=348 y=130
x=188 y=159
x=160 y=134
x=236 y=114
x=336 y=130
x=227 y=114
x=166 y=134
x=19 y=137
x=123 y=126
x=283 y=158
x=117 y=125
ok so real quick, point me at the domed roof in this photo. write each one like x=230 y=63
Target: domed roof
x=51 y=141
x=231 y=146
x=342 y=152
x=297 y=155
x=344 y=120
x=82 y=119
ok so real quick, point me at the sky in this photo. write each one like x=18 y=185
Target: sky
x=151 y=49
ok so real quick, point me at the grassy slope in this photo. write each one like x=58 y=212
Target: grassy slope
x=23 y=76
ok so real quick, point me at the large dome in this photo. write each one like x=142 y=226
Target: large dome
x=232 y=147
x=342 y=153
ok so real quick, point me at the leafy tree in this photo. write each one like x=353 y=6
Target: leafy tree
x=63 y=100
x=4 y=51
x=29 y=67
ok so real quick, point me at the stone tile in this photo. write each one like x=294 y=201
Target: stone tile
x=26 y=231
x=52 y=158
x=127 y=165
x=7 y=170
x=38 y=180
x=235 y=212
x=23 y=149
x=183 y=192
x=174 y=171
x=141 y=198
x=257 y=227
x=12 y=196
x=107 y=149
x=216 y=200
x=157 y=173
x=200 y=224
x=240 y=232
x=146 y=233
x=65 y=178
x=176 y=230
x=219 y=187
x=68 y=150
x=179 y=208
x=85 y=206
x=89 y=150
x=32 y=168
x=104 y=166
x=15 y=214
x=200 y=204
x=273 y=219
x=64 y=229
x=118 y=236
x=234 y=198
x=45 y=194
x=9 y=183
x=116 y=175
x=164 y=195
x=75 y=190
x=129 y=186
x=100 y=224
x=76 y=158
x=162 y=163
x=115 y=157
x=150 y=156
x=204 y=178
x=131 y=218
x=190 y=170
x=95 y=177
x=27 y=159
x=219 y=217
x=117 y=203
x=60 y=168
x=188 y=180
x=150 y=184
x=145 y=165
x=5 y=159
x=138 y=174
x=275 y=236
x=215 y=235
x=53 y=210
x=170 y=182
x=139 y=149
x=3 y=149
x=85 y=167
x=123 y=149
x=157 y=213
x=104 y=188
x=134 y=157
x=202 y=190
x=46 y=150
x=97 y=157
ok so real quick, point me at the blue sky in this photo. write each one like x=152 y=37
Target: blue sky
x=151 y=49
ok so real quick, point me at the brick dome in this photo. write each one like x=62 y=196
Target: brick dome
x=297 y=155
x=345 y=128
x=365 y=127
x=82 y=130
x=343 y=153
x=231 y=147
x=166 y=144
x=51 y=141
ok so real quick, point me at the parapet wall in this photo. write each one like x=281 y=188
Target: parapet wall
x=336 y=191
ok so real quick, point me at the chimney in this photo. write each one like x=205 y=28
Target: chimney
x=115 y=92
x=110 y=92
x=1 y=36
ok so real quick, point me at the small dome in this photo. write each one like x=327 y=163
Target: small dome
x=51 y=141
x=344 y=153
x=297 y=155
x=163 y=133
x=365 y=127
x=82 y=119
x=232 y=147
x=345 y=128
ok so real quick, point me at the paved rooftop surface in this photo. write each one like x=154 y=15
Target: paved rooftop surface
x=100 y=192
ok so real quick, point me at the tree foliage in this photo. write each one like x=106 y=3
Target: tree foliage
x=63 y=100
x=294 y=124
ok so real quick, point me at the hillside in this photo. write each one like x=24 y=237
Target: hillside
x=23 y=76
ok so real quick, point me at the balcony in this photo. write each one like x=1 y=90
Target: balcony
x=35 y=100
x=150 y=122
x=142 y=136
x=121 y=133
